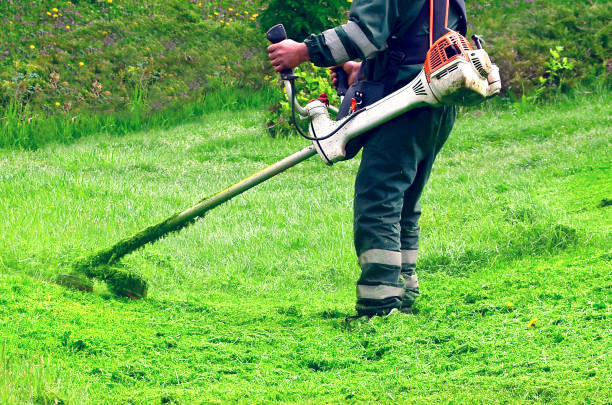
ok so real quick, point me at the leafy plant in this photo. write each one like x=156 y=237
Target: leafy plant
x=313 y=81
x=557 y=67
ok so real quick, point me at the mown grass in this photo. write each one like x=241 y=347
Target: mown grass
x=248 y=304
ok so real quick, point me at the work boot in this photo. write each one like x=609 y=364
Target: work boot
x=411 y=290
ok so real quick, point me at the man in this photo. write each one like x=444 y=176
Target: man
x=391 y=36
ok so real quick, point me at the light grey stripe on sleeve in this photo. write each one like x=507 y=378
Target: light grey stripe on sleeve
x=409 y=256
x=332 y=40
x=360 y=39
x=381 y=256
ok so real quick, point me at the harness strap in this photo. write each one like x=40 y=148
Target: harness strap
x=405 y=50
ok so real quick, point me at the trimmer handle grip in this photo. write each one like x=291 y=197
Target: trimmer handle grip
x=342 y=81
x=275 y=35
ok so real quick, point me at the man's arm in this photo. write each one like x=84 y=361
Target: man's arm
x=370 y=24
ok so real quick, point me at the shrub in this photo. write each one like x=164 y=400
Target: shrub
x=312 y=82
x=302 y=17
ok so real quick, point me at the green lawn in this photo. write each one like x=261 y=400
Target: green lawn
x=248 y=304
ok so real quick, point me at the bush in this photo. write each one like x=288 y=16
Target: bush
x=302 y=17
x=312 y=82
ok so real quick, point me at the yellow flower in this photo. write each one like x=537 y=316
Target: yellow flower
x=48 y=13
x=230 y=9
x=67 y=27
x=54 y=15
x=57 y=104
x=246 y=12
x=215 y=13
x=510 y=306
x=221 y=21
x=54 y=9
x=227 y=23
x=81 y=63
x=69 y=3
x=199 y=4
x=533 y=323
x=32 y=47
x=255 y=15
x=109 y=1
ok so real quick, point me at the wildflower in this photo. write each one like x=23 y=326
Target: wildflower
x=69 y=3
x=81 y=64
x=510 y=306
x=54 y=9
x=230 y=9
x=48 y=13
x=32 y=47
x=54 y=15
x=109 y=1
x=57 y=104
x=215 y=13
x=68 y=27
x=227 y=23
x=533 y=323
x=222 y=22
x=255 y=15
x=199 y=4
x=246 y=12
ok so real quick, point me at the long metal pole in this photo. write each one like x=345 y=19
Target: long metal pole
x=178 y=221
x=243 y=185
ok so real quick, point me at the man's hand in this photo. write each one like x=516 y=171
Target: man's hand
x=287 y=54
x=351 y=69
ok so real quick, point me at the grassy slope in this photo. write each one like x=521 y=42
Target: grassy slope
x=249 y=303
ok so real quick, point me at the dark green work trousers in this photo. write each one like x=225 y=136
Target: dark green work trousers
x=396 y=162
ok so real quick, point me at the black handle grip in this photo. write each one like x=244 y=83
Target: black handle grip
x=477 y=41
x=342 y=81
x=275 y=35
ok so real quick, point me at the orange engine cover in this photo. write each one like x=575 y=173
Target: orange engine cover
x=446 y=49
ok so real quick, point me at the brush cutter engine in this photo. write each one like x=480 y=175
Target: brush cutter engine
x=454 y=73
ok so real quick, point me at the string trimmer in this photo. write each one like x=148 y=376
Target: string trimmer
x=454 y=73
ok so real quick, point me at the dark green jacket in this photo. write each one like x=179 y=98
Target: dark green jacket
x=371 y=23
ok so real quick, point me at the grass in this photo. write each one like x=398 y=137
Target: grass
x=248 y=304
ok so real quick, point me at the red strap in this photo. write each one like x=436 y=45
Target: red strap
x=435 y=19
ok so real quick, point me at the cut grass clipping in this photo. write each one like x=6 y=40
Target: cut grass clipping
x=103 y=265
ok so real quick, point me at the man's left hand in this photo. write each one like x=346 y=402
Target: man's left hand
x=287 y=54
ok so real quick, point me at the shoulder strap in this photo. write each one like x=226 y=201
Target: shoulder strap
x=438 y=20
x=410 y=48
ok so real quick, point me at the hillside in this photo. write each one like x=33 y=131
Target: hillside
x=68 y=69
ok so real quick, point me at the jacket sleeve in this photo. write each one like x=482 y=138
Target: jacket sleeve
x=370 y=24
